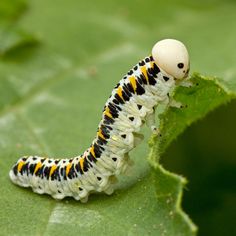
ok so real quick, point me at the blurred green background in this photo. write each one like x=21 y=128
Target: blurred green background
x=90 y=45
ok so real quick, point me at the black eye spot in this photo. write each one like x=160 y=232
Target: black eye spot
x=99 y=178
x=180 y=65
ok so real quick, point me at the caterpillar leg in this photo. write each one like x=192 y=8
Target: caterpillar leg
x=186 y=83
x=151 y=122
x=138 y=138
x=171 y=102
x=110 y=189
x=176 y=104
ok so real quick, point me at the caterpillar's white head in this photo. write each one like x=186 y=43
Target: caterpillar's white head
x=172 y=56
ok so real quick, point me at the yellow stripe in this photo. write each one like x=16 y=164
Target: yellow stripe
x=133 y=82
x=20 y=165
x=92 y=151
x=107 y=112
x=119 y=92
x=144 y=71
x=68 y=168
x=53 y=168
x=39 y=165
x=81 y=162
x=99 y=133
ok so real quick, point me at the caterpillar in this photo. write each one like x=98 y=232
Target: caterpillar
x=132 y=102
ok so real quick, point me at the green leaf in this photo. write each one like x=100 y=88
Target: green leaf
x=12 y=37
x=11 y=10
x=204 y=96
x=51 y=101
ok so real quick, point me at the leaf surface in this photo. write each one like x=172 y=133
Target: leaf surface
x=52 y=97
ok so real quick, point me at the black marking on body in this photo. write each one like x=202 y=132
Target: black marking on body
x=25 y=169
x=129 y=87
x=139 y=106
x=141 y=63
x=140 y=90
x=115 y=101
x=101 y=141
x=105 y=131
x=32 y=168
x=56 y=175
x=140 y=80
x=78 y=168
x=151 y=79
x=113 y=110
x=142 y=77
x=39 y=171
x=91 y=158
x=130 y=72
x=87 y=164
x=156 y=69
x=166 y=78
x=46 y=172
x=15 y=171
x=125 y=96
x=107 y=120
x=117 y=107
x=72 y=174
x=119 y=99
x=97 y=150
x=126 y=90
x=64 y=173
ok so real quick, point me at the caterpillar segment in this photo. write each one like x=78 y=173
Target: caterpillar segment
x=132 y=102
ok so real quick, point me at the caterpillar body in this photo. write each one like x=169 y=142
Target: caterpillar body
x=132 y=102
